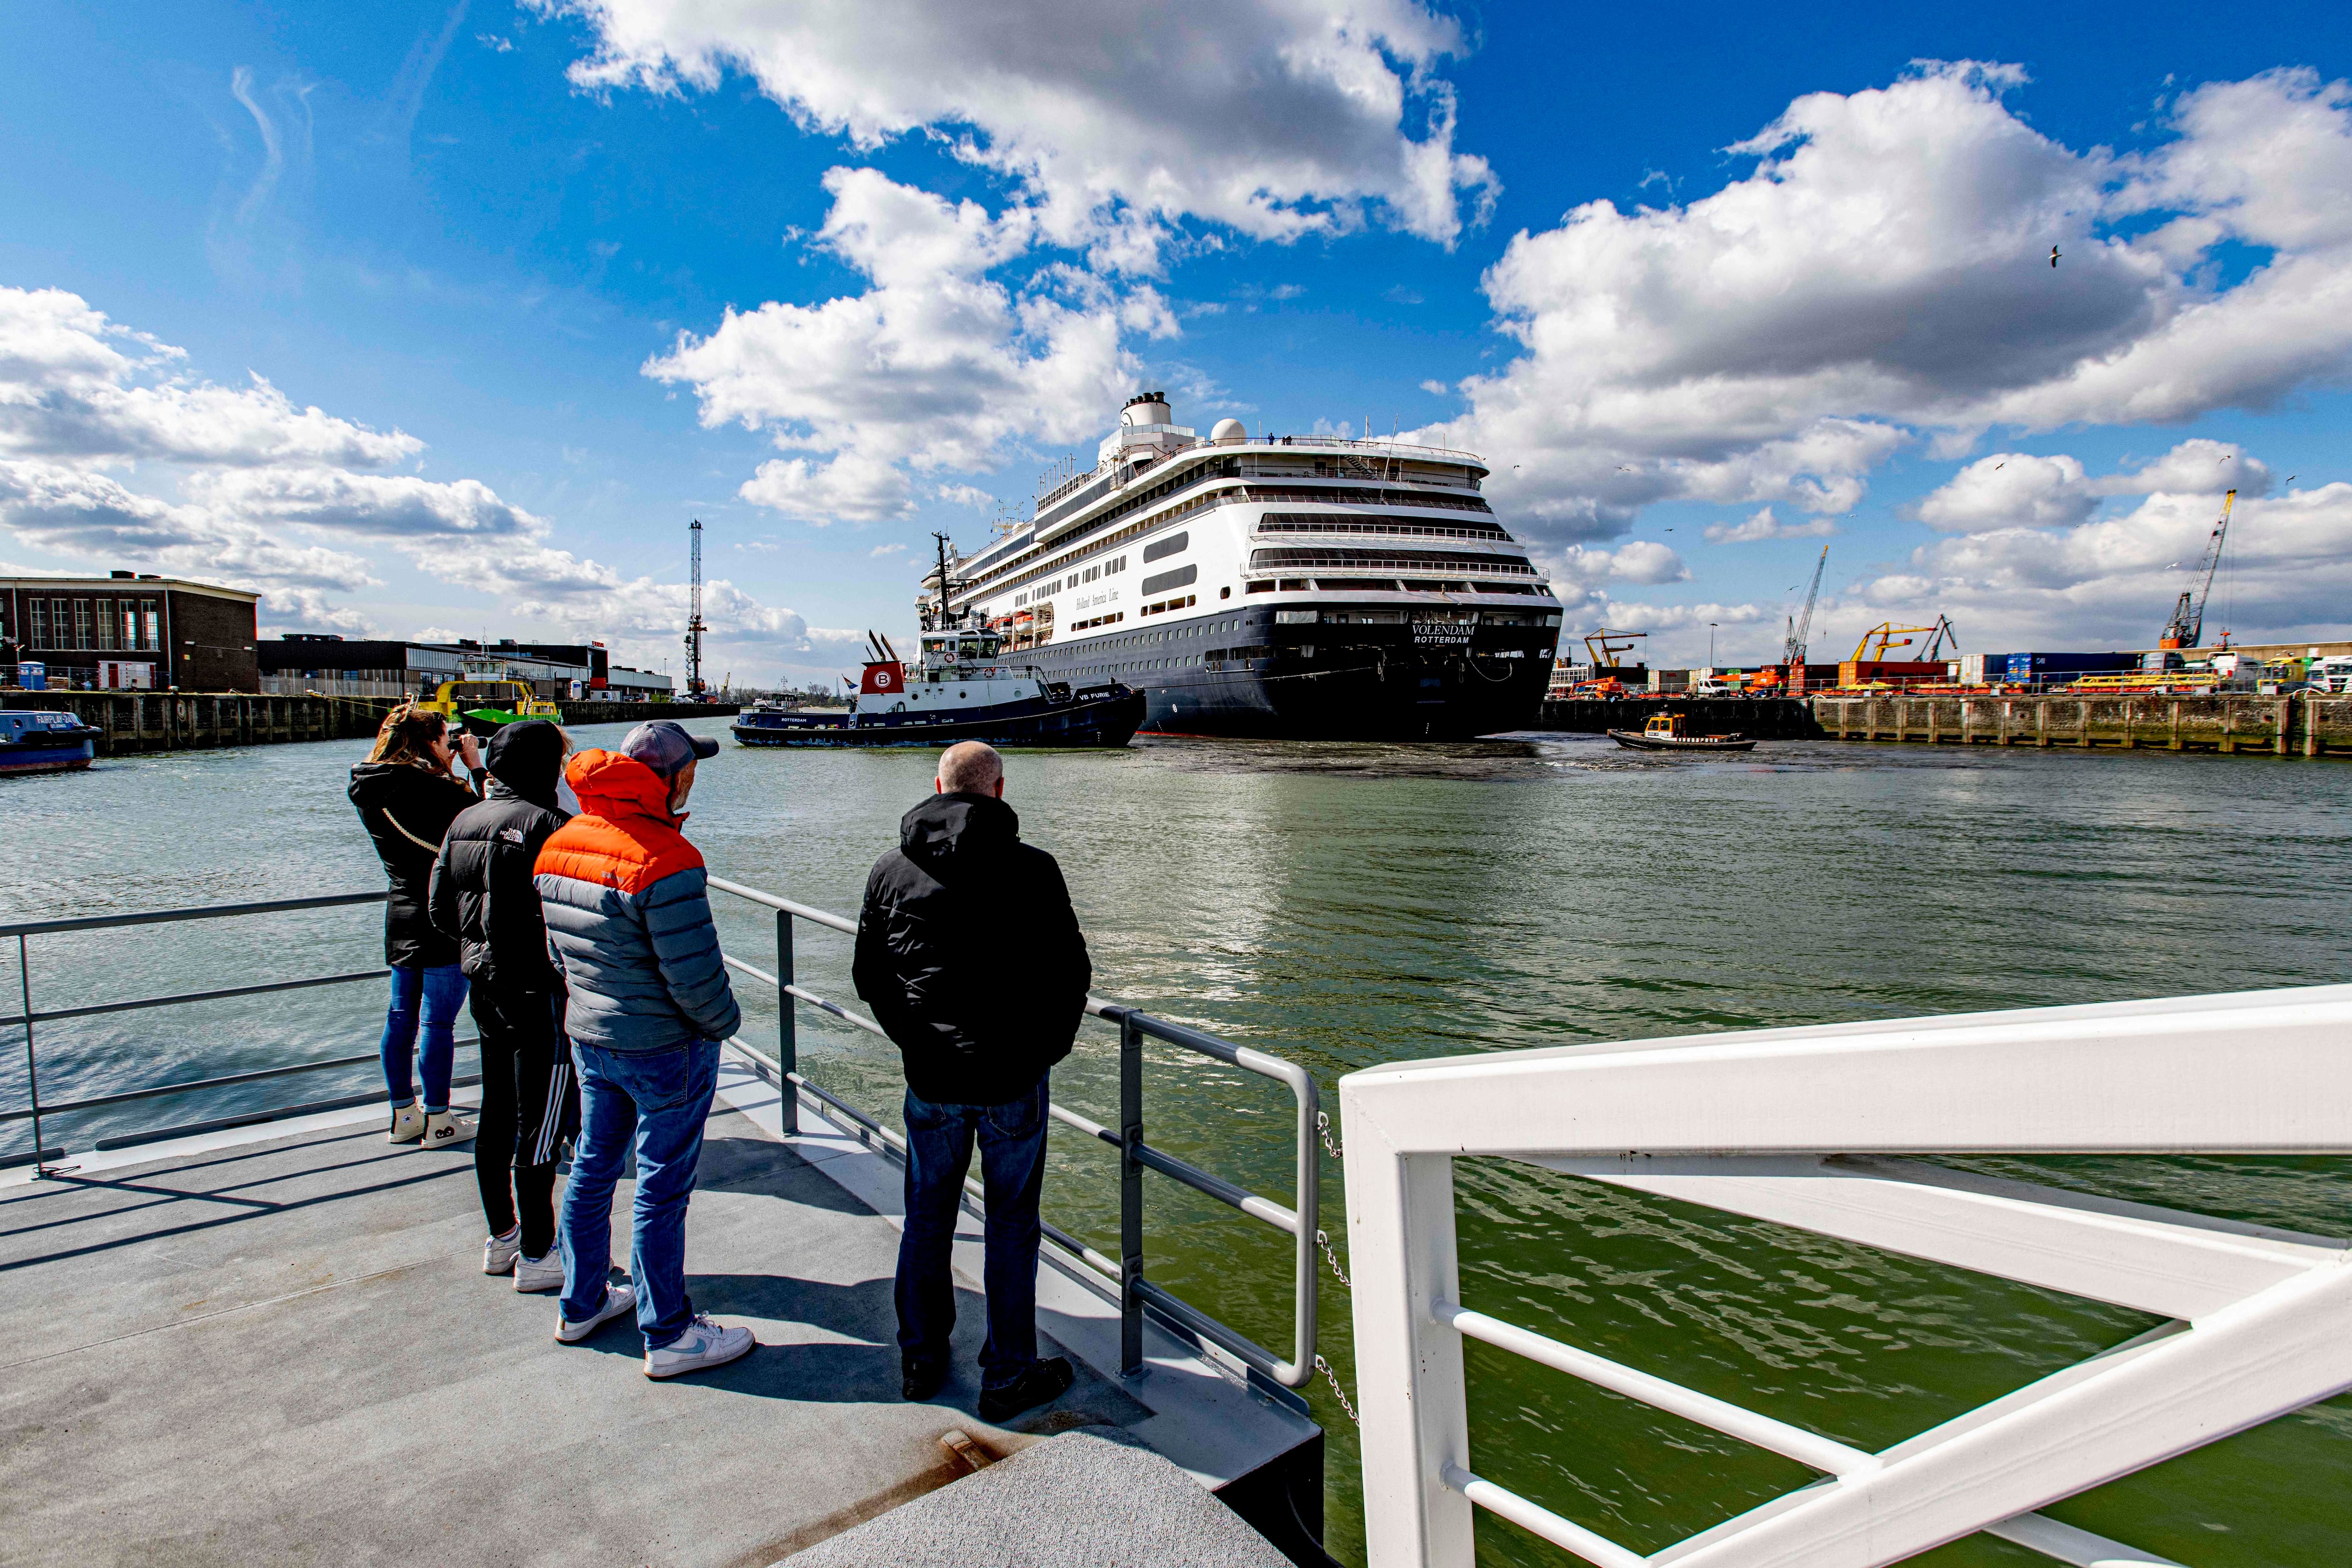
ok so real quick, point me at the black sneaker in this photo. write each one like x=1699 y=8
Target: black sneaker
x=919 y=1380
x=1041 y=1384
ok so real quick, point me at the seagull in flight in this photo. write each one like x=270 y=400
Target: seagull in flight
x=2053 y=255
x=2000 y=465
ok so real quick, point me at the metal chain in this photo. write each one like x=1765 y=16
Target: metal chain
x=1337 y=1392
x=1332 y=1258
x=1323 y=1240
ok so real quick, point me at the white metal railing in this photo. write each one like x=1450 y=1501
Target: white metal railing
x=1809 y=1127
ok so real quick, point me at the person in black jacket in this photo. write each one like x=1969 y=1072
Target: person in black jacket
x=482 y=895
x=407 y=794
x=972 y=957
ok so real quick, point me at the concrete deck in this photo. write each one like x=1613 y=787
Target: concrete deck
x=277 y=1346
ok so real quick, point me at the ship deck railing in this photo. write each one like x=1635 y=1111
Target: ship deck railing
x=1836 y=1130
x=267 y=1332
x=1121 y=1280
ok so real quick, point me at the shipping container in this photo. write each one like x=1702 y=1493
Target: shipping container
x=2044 y=665
x=1894 y=672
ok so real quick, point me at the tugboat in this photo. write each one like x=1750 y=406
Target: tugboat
x=44 y=741
x=957 y=691
x=1664 y=733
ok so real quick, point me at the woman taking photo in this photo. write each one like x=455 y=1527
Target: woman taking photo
x=407 y=794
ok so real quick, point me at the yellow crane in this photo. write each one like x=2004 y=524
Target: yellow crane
x=1603 y=652
x=1887 y=632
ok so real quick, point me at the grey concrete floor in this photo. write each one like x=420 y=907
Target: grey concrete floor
x=1083 y=1499
x=286 y=1353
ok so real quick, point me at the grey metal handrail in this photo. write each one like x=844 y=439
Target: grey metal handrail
x=1121 y=1280
x=26 y=1016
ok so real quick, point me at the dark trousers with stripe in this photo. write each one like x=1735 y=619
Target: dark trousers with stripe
x=531 y=1102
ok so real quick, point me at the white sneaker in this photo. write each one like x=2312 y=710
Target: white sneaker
x=618 y=1299
x=407 y=1124
x=445 y=1128
x=703 y=1343
x=534 y=1275
x=499 y=1253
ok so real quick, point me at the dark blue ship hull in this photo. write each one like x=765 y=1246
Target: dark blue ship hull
x=45 y=742
x=1099 y=716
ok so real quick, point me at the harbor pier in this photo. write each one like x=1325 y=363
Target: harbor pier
x=136 y=721
x=2301 y=725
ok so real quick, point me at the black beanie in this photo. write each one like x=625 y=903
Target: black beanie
x=527 y=756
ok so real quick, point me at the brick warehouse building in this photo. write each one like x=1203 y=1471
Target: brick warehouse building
x=116 y=629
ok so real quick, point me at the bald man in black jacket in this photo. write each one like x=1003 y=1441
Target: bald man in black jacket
x=971 y=955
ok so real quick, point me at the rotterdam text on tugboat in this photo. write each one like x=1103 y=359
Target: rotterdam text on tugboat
x=1295 y=586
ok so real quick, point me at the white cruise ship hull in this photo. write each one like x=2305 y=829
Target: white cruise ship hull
x=1309 y=587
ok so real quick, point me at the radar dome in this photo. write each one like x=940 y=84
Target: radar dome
x=1229 y=430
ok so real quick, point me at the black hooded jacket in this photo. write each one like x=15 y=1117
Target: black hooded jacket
x=969 y=954
x=482 y=893
x=407 y=811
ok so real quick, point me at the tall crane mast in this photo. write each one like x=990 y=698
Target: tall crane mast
x=694 y=627
x=1801 y=629
x=2188 y=624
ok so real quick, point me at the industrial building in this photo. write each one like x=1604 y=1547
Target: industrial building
x=325 y=665
x=127 y=630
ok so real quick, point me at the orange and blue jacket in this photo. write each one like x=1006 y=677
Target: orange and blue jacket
x=628 y=915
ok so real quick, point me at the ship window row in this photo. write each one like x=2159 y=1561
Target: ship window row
x=1388 y=585
x=1388 y=561
x=1342 y=522
x=1356 y=495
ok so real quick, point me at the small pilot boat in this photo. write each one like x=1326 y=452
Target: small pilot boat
x=44 y=741
x=1665 y=733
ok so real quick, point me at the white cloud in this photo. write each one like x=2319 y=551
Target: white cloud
x=68 y=389
x=2111 y=583
x=1276 y=118
x=2018 y=490
x=284 y=499
x=936 y=368
x=1882 y=275
x=1762 y=525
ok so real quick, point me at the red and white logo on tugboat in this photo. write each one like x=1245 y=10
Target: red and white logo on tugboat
x=881 y=678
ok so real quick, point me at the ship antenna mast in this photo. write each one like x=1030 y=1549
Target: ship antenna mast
x=944 y=613
x=694 y=627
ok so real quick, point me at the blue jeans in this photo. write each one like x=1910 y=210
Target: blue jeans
x=443 y=991
x=1012 y=1140
x=660 y=1101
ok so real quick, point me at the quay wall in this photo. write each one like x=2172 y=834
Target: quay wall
x=1764 y=718
x=135 y=722
x=2300 y=725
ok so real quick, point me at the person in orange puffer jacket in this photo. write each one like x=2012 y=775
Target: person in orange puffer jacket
x=628 y=916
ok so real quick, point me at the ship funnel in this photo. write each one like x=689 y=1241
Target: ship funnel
x=1147 y=408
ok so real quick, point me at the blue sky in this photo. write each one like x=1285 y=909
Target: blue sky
x=471 y=236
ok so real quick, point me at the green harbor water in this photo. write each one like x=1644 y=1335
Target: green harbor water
x=1351 y=905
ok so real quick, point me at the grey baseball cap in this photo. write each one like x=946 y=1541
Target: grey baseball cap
x=664 y=746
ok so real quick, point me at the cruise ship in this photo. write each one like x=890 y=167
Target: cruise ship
x=1293 y=586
